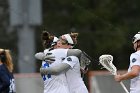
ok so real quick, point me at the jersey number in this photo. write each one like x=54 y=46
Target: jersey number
x=48 y=75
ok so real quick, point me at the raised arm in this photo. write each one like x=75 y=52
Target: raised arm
x=74 y=52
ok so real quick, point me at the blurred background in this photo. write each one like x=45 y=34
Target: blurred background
x=104 y=27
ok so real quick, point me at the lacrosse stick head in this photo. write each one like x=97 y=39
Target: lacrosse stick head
x=85 y=60
x=106 y=61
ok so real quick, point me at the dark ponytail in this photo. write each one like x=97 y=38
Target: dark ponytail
x=47 y=39
x=3 y=56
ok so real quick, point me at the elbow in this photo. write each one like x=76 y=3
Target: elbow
x=79 y=51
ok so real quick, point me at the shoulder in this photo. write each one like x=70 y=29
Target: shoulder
x=71 y=60
x=135 y=58
x=135 y=55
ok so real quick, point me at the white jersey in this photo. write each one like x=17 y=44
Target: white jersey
x=135 y=82
x=75 y=82
x=55 y=83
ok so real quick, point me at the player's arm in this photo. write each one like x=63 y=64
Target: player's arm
x=55 y=69
x=71 y=52
x=74 y=52
x=48 y=56
x=40 y=56
x=67 y=63
x=82 y=56
x=129 y=75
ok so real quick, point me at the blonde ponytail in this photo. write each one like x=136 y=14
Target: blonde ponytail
x=8 y=59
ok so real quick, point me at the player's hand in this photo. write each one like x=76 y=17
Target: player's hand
x=40 y=56
x=84 y=71
x=117 y=78
x=48 y=57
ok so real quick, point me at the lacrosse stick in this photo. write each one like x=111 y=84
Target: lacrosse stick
x=85 y=60
x=106 y=62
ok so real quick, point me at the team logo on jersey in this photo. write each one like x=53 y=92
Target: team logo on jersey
x=69 y=59
x=134 y=60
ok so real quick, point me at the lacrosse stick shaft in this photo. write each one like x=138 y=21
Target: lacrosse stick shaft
x=124 y=87
x=106 y=61
x=83 y=74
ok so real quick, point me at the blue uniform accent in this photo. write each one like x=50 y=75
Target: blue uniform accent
x=48 y=75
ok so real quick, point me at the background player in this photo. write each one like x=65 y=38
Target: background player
x=7 y=81
x=134 y=67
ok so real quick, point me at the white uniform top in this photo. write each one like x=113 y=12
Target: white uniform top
x=135 y=82
x=75 y=82
x=55 y=83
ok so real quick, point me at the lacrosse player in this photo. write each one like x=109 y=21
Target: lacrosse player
x=70 y=65
x=54 y=83
x=134 y=67
x=7 y=81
